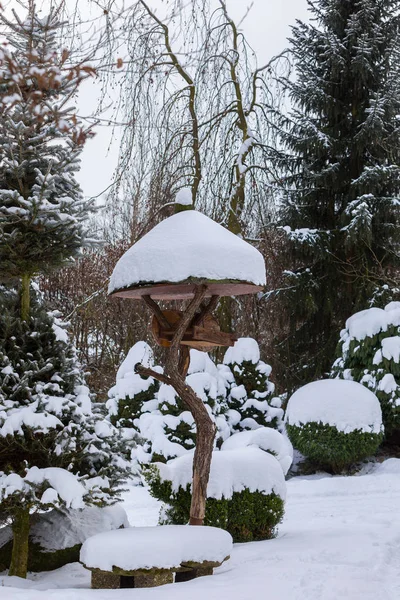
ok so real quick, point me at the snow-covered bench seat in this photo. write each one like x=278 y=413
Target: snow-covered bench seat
x=149 y=556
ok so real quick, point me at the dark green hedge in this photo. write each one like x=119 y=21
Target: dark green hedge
x=331 y=449
x=38 y=559
x=248 y=516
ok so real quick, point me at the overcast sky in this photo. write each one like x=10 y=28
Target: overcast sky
x=266 y=28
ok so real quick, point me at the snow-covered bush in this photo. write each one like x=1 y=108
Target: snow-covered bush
x=369 y=351
x=267 y=439
x=56 y=536
x=245 y=494
x=131 y=391
x=250 y=399
x=334 y=423
x=163 y=427
x=237 y=394
x=55 y=449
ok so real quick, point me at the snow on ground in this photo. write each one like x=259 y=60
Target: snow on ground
x=340 y=539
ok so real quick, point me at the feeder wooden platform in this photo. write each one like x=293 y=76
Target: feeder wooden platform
x=186 y=290
x=204 y=337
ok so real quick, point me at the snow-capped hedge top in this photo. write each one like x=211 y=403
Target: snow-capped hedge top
x=188 y=245
x=165 y=547
x=267 y=439
x=346 y=405
x=233 y=471
x=368 y=323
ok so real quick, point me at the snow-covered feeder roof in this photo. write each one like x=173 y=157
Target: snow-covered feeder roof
x=347 y=405
x=162 y=547
x=186 y=249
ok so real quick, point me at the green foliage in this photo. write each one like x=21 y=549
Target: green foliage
x=331 y=449
x=251 y=392
x=340 y=210
x=367 y=362
x=40 y=560
x=130 y=407
x=248 y=516
x=44 y=216
x=40 y=378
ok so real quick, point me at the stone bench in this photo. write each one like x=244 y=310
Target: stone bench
x=152 y=556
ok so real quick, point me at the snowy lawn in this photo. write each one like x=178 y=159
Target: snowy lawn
x=340 y=540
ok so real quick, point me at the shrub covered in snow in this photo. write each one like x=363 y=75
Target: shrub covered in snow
x=245 y=493
x=55 y=449
x=163 y=426
x=369 y=350
x=334 y=423
x=131 y=391
x=267 y=439
x=56 y=536
x=237 y=394
x=250 y=399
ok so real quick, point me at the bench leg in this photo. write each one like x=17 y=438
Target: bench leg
x=105 y=581
x=193 y=574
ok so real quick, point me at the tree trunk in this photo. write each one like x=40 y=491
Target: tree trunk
x=25 y=297
x=19 y=556
x=175 y=371
x=205 y=433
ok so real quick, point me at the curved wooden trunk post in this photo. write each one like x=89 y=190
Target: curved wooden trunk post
x=176 y=367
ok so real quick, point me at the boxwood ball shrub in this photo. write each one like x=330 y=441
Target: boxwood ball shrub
x=334 y=423
x=245 y=495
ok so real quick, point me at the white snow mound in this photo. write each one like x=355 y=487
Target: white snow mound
x=188 y=244
x=267 y=439
x=345 y=404
x=56 y=530
x=232 y=471
x=245 y=349
x=165 y=547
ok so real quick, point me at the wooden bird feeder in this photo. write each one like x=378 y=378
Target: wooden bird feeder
x=188 y=257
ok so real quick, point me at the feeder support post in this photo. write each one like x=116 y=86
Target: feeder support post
x=176 y=367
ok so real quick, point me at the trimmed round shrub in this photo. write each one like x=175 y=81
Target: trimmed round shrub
x=267 y=439
x=249 y=514
x=334 y=423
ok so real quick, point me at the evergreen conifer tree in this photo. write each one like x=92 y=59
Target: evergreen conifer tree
x=250 y=400
x=369 y=353
x=342 y=169
x=153 y=416
x=43 y=215
x=50 y=436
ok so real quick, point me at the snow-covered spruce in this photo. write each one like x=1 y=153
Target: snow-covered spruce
x=149 y=548
x=131 y=391
x=334 y=423
x=267 y=439
x=154 y=417
x=341 y=162
x=43 y=214
x=369 y=350
x=56 y=536
x=245 y=492
x=250 y=400
x=55 y=450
